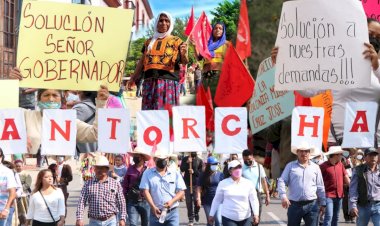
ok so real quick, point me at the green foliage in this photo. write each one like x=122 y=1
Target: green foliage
x=228 y=13
x=134 y=54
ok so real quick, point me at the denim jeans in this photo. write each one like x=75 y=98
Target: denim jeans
x=306 y=211
x=3 y=222
x=217 y=216
x=140 y=209
x=333 y=206
x=172 y=219
x=10 y=216
x=228 y=222
x=370 y=212
x=109 y=222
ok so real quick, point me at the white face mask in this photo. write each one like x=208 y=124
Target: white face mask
x=72 y=97
x=359 y=157
x=214 y=168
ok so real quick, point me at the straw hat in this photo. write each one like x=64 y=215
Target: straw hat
x=140 y=151
x=101 y=161
x=304 y=146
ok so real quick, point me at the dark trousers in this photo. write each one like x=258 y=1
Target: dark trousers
x=192 y=209
x=345 y=209
x=308 y=211
x=228 y=222
x=260 y=206
x=39 y=223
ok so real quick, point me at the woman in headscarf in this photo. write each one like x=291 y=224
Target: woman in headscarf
x=162 y=55
x=217 y=46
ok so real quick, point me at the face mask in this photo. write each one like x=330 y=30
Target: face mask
x=60 y=159
x=359 y=157
x=72 y=97
x=237 y=173
x=136 y=160
x=161 y=163
x=49 y=105
x=346 y=154
x=248 y=162
x=214 y=168
x=375 y=42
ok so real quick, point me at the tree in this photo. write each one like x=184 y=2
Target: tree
x=134 y=54
x=228 y=13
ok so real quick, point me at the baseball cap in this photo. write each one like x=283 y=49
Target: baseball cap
x=370 y=150
x=233 y=164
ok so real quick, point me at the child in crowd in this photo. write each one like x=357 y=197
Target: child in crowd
x=119 y=169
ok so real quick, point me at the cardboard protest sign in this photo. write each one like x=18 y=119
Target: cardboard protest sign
x=307 y=126
x=320 y=47
x=59 y=132
x=153 y=130
x=372 y=9
x=114 y=128
x=359 y=125
x=230 y=130
x=72 y=46
x=12 y=131
x=9 y=95
x=268 y=106
x=189 y=129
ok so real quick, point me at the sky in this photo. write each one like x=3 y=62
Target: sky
x=181 y=8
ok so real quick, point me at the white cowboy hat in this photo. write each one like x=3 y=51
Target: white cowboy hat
x=140 y=151
x=101 y=161
x=334 y=150
x=304 y=146
x=161 y=154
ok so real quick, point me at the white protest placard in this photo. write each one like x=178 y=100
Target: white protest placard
x=59 y=132
x=321 y=45
x=114 y=128
x=230 y=130
x=189 y=129
x=307 y=126
x=153 y=129
x=12 y=131
x=359 y=125
x=268 y=106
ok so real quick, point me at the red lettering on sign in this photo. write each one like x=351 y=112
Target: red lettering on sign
x=304 y=124
x=158 y=138
x=225 y=128
x=55 y=126
x=187 y=127
x=10 y=122
x=113 y=127
x=362 y=126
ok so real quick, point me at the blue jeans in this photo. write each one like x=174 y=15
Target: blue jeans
x=371 y=211
x=333 y=206
x=140 y=209
x=217 y=217
x=228 y=222
x=172 y=219
x=10 y=216
x=306 y=211
x=109 y=222
x=3 y=222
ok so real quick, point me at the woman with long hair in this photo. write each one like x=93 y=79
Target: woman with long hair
x=206 y=188
x=47 y=204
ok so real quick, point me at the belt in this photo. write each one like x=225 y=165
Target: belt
x=103 y=218
x=302 y=203
x=172 y=209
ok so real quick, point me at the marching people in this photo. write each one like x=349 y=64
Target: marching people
x=334 y=177
x=163 y=189
x=136 y=203
x=47 y=203
x=365 y=190
x=64 y=175
x=191 y=166
x=26 y=183
x=12 y=209
x=254 y=172
x=162 y=55
x=104 y=197
x=8 y=187
x=239 y=199
x=305 y=188
x=206 y=188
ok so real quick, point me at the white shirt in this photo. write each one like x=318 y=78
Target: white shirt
x=237 y=198
x=7 y=181
x=37 y=208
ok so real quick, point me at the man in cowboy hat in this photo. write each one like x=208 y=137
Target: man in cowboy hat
x=136 y=203
x=104 y=196
x=334 y=177
x=305 y=186
x=163 y=189
x=365 y=190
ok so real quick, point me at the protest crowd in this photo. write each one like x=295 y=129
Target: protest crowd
x=320 y=157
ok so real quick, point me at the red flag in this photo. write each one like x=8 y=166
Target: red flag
x=201 y=33
x=235 y=84
x=203 y=98
x=190 y=23
x=299 y=100
x=243 y=39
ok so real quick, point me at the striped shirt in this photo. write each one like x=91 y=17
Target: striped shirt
x=104 y=199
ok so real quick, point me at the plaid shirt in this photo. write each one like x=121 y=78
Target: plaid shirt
x=104 y=199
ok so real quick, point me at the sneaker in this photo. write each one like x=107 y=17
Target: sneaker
x=196 y=217
x=190 y=224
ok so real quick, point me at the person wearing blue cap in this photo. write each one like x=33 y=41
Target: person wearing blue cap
x=365 y=190
x=206 y=187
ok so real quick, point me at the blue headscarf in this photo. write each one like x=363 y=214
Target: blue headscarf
x=212 y=46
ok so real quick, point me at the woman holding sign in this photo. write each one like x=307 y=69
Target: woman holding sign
x=52 y=99
x=162 y=55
